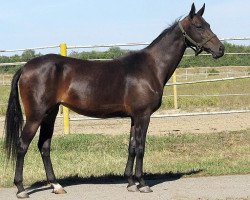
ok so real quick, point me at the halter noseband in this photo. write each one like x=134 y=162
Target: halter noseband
x=198 y=47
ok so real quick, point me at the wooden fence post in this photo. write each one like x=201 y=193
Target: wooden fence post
x=66 y=129
x=175 y=91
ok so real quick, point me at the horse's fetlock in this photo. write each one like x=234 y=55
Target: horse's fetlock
x=45 y=152
x=18 y=182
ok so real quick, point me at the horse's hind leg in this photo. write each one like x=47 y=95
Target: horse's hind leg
x=46 y=132
x=26 y=137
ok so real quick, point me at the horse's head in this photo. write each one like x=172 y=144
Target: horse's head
x=198 y=35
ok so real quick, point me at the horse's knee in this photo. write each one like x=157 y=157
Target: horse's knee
x=139 y=152
x=131 y=150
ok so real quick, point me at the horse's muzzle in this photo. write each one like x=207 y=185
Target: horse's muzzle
x=217 y=53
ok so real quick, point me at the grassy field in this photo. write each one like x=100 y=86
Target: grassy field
x=210 y=102
x=101 y=155
x=4 y=96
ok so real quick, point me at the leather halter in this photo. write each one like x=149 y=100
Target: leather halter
x=198 y=47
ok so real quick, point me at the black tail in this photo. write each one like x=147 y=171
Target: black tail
x=13 y=119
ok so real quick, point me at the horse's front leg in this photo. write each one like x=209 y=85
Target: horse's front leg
x=141 y=127
x=131 y=158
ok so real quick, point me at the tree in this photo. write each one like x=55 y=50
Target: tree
x=28 y=55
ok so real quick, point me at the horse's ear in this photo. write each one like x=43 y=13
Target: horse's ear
x=192 y=11
x=201 y=11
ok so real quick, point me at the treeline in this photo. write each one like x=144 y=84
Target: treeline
x=24 y=57
x=114 y=52
x=226 y=60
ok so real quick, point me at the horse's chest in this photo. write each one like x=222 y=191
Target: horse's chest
x=156 y=99
x=150 y=100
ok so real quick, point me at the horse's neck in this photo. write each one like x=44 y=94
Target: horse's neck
x=167 y=54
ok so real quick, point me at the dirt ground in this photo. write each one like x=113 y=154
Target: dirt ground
x=169 y=125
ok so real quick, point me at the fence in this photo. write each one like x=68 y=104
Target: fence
x=63 y=50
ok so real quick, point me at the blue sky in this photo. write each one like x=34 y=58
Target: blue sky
x=32 y=23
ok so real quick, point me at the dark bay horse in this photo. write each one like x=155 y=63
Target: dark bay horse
x=129 y=86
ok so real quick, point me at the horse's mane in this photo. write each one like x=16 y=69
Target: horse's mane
x=163 y=33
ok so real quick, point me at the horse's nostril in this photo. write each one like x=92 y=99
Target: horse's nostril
x=221 y=49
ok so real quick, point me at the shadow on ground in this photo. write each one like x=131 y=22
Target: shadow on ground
x=152 y=179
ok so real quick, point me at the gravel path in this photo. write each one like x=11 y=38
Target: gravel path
x=202 y=188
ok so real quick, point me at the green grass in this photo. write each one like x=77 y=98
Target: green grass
x=213 y=72
x=4 y=96
x=85 y=155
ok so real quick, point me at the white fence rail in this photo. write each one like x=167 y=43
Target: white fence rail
x=12 y=64
x=206 y=81
x=108 y=45
x=33 y=48
x=207 y=95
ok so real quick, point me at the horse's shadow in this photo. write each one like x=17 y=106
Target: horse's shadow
x=152 y=180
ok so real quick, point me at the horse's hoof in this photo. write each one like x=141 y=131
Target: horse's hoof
x=22 y=195
x=132 y=188
x=59 y=191
x=145 y=189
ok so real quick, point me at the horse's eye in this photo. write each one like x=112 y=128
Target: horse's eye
x=198 y=27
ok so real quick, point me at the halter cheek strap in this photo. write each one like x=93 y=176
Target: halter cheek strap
x=198 y=47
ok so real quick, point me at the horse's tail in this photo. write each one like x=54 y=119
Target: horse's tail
x=13 y=119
